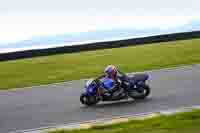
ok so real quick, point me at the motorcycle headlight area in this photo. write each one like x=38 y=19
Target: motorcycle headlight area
x=90 y=87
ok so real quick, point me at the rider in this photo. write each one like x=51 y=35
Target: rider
x=111 y=72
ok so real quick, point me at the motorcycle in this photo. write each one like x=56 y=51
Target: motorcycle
x=135 y=87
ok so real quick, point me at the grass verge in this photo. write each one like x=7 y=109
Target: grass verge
x=180 y=123
x=59 y=68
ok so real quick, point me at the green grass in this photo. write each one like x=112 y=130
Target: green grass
x=59 y=68
x=180 y=123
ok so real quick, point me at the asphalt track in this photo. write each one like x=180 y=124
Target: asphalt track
x=59 y=103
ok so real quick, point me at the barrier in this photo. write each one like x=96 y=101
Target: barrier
x=99 y=45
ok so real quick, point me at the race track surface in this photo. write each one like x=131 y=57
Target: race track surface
x=59 y=103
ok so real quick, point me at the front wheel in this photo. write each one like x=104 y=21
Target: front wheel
x=141 y=93
x=88 y=100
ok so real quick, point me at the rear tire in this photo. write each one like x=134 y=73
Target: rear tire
x=135 y=94
x=88 y=100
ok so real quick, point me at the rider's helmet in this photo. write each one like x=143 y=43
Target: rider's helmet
x=111 y=71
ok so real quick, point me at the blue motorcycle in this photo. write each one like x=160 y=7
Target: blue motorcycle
x=134 y=87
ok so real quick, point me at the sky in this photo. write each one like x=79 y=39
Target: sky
x=23 y=19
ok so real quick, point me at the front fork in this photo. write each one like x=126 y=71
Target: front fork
x=99 y=93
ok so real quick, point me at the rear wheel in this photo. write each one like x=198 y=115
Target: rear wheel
x=88 y=100
x=141 y=93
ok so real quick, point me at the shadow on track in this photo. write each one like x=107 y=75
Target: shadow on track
x=117 y=104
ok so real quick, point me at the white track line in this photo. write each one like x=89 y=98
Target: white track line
x=108 y=120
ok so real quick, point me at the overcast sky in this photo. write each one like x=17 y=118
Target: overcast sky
x=151 y=6
x=22 y=19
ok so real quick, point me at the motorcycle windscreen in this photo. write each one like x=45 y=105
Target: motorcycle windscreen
x=90 y=87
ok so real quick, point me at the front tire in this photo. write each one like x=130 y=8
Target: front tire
x=88 y=100
x=137 y=95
